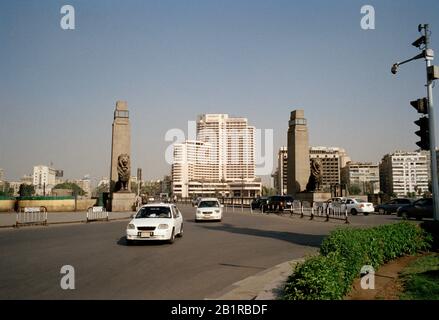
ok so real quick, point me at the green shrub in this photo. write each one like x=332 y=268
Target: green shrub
x=345 y=251
x=307 y=284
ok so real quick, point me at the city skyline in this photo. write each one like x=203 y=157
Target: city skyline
x=173 y=61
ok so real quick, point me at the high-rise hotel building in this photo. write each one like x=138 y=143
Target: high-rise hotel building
x=221 y=160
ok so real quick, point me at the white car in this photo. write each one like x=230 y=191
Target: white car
x=209 y=209
x=355 y=206
x=157 y=221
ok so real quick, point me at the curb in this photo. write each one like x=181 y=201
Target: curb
x=265 y=285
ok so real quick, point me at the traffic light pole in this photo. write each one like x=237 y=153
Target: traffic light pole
x=433 y=156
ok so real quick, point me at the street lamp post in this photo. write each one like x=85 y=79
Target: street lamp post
x=428 y=55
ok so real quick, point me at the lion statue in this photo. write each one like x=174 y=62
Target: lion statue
x=123 y=171
x=316 y=176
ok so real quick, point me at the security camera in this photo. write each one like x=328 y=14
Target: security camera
x=395 y=68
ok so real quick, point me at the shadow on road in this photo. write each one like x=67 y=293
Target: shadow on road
x=302 y=239
x=123 y=242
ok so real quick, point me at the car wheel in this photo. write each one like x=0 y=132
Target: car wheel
x=353 y=212
x=382 y=211
x=172 y=239
x=181 y=231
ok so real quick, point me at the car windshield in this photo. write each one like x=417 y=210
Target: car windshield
x=208 y=204
x=153 y=212
x=360 y=200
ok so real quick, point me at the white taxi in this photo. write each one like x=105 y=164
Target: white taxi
x=156 y=221
x=209 y=209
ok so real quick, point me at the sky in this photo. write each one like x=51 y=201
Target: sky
x=174 y=60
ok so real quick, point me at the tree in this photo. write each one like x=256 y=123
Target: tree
x=26 y=190
x=134 y=186
x=267 y=191
x=104 y=187
x=6 y=189
x=393 y=195
x=71 y=186
x=151 y=188
x=354 y=189
x=411 y=194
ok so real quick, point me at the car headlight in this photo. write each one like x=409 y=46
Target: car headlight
x=163 y=226
x=198 y=211
x=217 y=211
x=131 y=226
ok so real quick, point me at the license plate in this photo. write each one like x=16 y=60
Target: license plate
x=146 y=234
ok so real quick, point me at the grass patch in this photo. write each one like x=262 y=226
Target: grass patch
x=421 y=279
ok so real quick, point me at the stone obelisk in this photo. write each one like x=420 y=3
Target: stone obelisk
x=121 y=198
x=298 y=153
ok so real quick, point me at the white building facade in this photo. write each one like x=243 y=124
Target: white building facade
x=44 y=179
x=333 y=159
x=404 y=172
x=364 y=175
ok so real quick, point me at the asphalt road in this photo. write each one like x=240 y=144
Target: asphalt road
x=210 y=256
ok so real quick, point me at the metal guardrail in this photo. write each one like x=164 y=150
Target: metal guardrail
x=31 y=216
x=97 y=214
x=321 y=210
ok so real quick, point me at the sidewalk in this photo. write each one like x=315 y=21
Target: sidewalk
x=8 y=219
x=266 y=285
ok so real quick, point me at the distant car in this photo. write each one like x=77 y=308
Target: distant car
x=392 y=206
x=355 y=206
x=422 y=208
x=336 y=200
x=258 y=203
x=333 y=202
x=278 y=203
x=209 y=209
x=160 y=221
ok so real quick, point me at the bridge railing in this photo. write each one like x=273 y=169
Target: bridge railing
x=97 y=214
x=31 y=216
x=319 y=209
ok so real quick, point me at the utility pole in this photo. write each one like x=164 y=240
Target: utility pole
x=425 y=106
x=430 y=79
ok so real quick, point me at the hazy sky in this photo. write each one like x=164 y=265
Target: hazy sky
x=173 y=60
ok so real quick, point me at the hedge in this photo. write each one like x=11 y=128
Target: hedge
x=46 y=198
x=7 y=198
x=343 y=253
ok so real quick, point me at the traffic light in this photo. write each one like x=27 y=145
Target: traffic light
x=421 y=105
x=423 y=132
x=418 y=42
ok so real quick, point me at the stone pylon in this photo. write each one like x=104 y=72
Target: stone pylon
x=298 y=153
x=121 y=143
x=121 y=198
